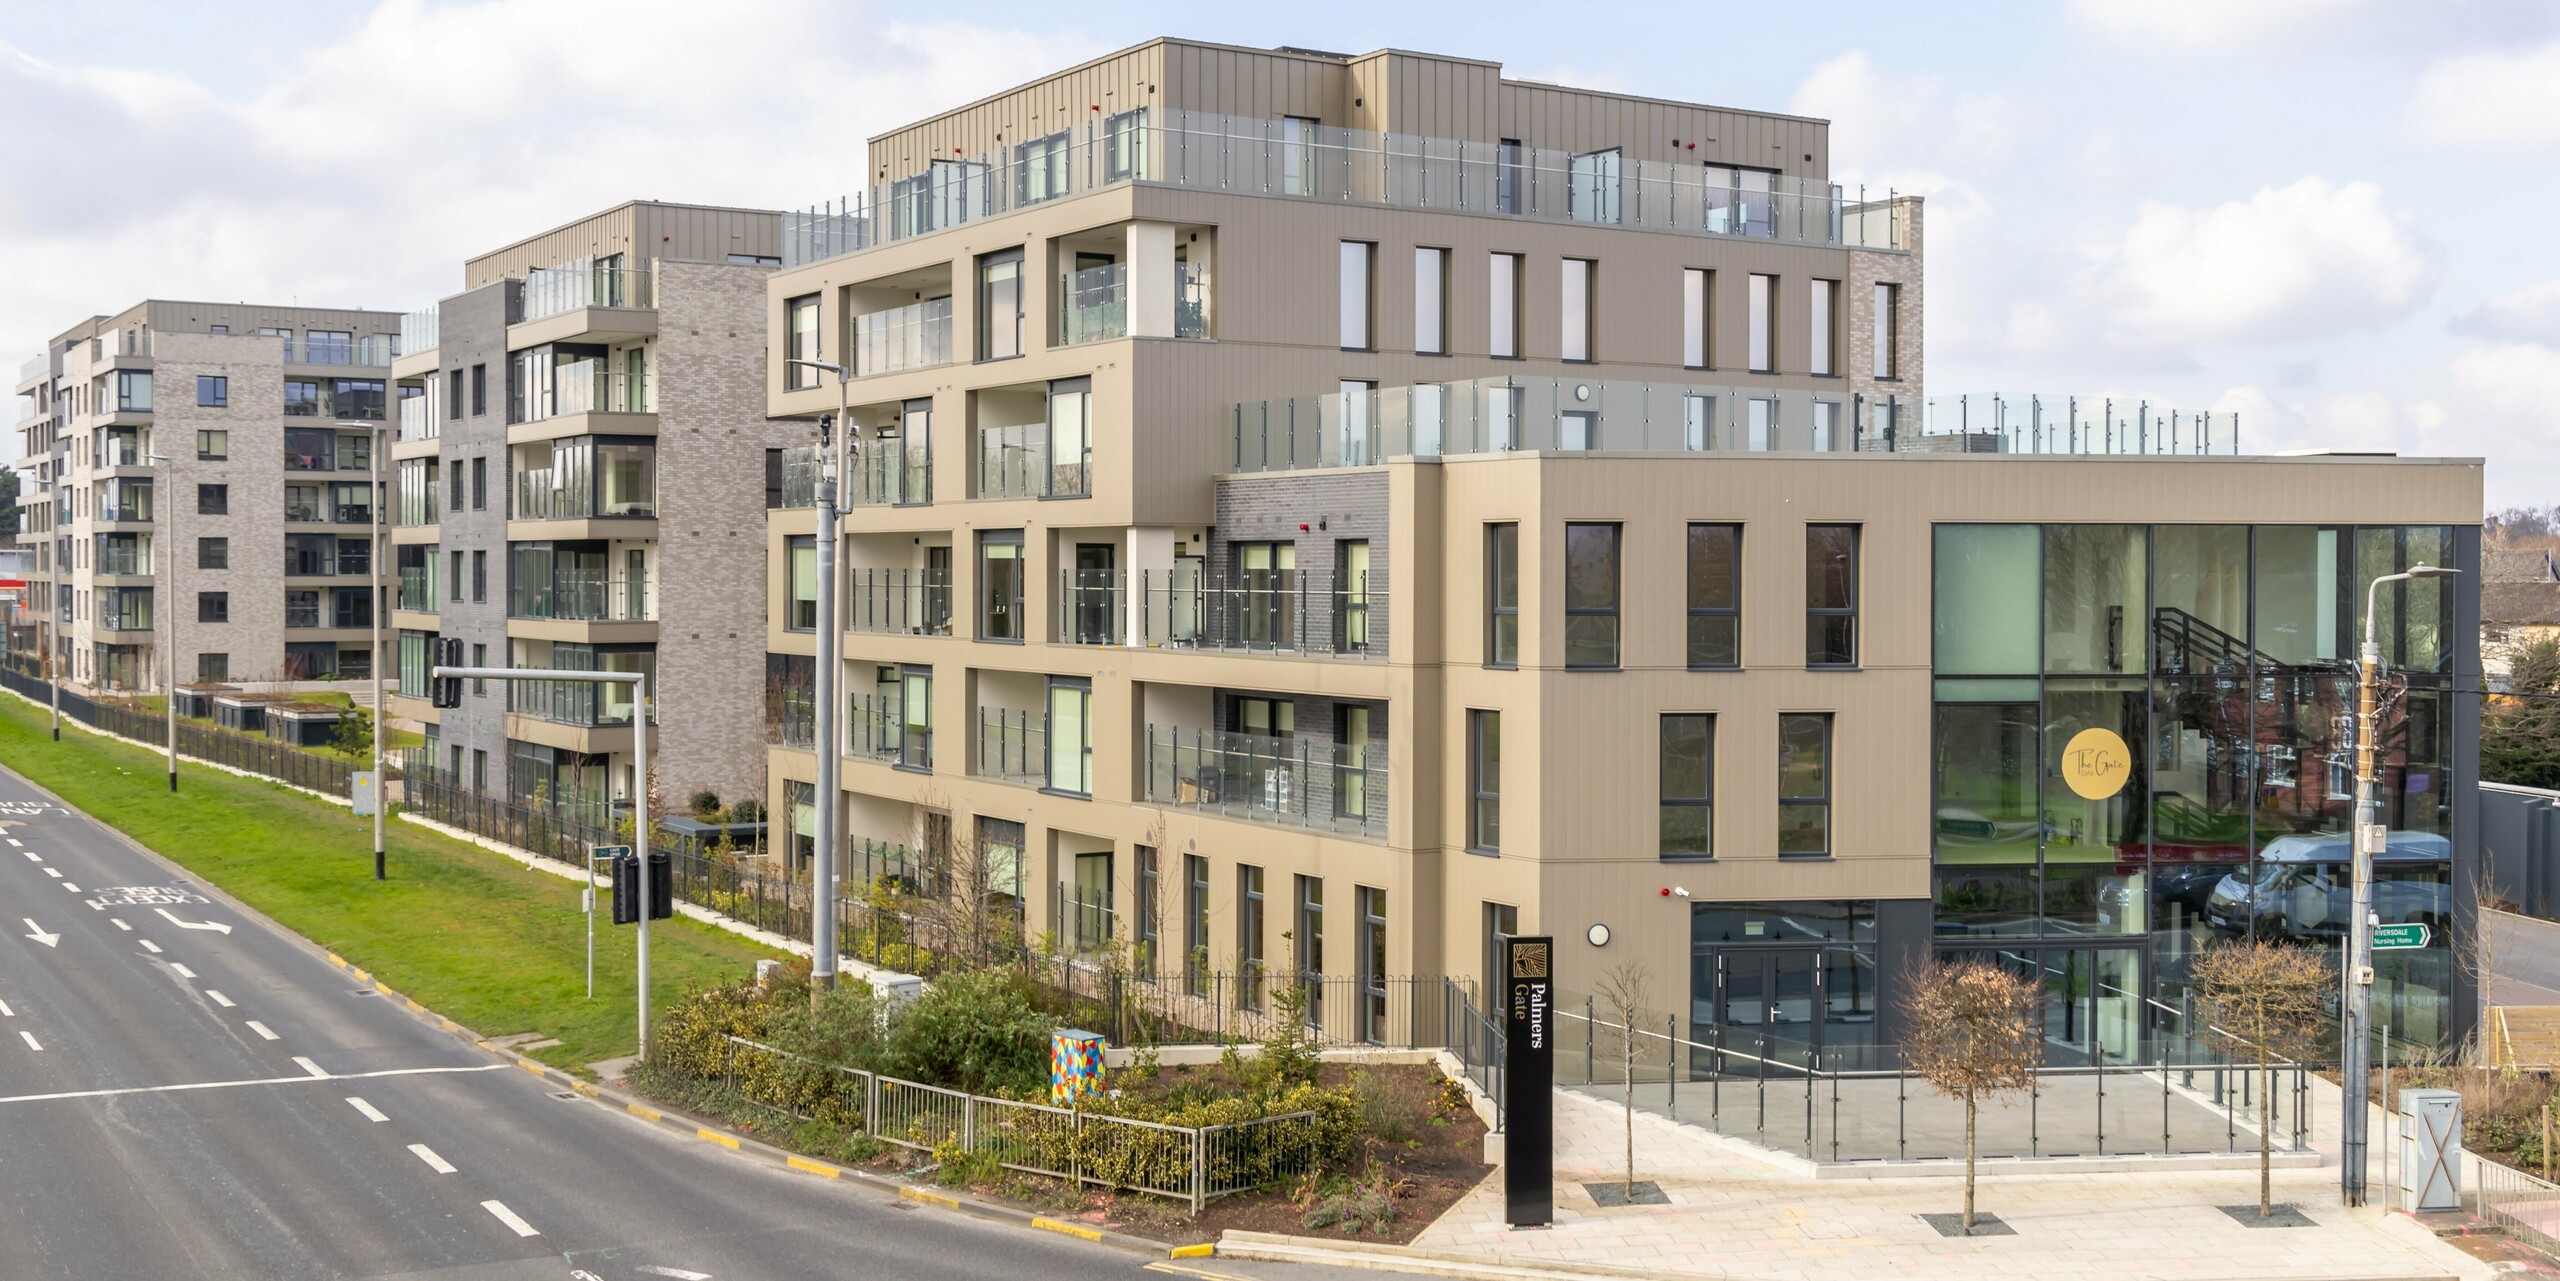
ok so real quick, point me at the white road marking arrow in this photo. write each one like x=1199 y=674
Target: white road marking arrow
x=193 y=925
x=49 y=940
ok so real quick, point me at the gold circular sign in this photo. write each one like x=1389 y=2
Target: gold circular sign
x=2096 y=763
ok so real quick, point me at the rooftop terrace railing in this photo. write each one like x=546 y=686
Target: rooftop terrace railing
x=1211 y=151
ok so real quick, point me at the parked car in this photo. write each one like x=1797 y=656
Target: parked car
x=2300 y=887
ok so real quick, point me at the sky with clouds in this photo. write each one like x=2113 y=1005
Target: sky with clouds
x=2328 y=215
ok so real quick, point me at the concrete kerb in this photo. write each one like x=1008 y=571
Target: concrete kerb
x=1272 y=1247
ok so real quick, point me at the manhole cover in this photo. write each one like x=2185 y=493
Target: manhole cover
x=362 y=991
x=564 y=1094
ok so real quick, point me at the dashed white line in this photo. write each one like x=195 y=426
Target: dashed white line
x=151 y=947
x=510 y=1218
x=71 y=887
x=120 y=924
x=218 y=998
x=309 y=1066
x=32 y=1042
x=15 y=841
x=54 y=872
x=442 y=1166
x=261 y=1029
x=371 y=1113
x=181 y=971
x=6 y=1012
x=32 y=856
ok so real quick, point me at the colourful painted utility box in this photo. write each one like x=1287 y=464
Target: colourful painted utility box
x=1075 y=1065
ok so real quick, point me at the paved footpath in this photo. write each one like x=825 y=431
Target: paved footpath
x=1734 y=1216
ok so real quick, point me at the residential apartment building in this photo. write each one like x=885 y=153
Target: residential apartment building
x=539 y=410
x=1292 y=532
x=240 y=436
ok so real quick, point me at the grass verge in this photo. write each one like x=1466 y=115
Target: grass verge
x=474 y=936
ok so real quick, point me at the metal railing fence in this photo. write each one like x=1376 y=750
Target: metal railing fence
x=196 y=741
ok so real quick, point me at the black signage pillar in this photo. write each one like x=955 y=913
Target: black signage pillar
x=1529 y=1073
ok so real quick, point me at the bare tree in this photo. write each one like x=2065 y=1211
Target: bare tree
x=1972 y=1030
x=2271 y=1000
x=1624 y=989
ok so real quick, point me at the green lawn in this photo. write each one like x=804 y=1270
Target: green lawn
x=472 y=935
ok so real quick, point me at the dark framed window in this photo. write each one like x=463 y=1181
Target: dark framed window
x=479 y=484
x=479 y=390
x=1484 y=781
x=213 y=553
x=1070 y=734
x=1000 y=579
x=800 y=342
x=1000 y=305
x=1373 y=964
x=213 y=445
x=301 y=398
x=213 y=500
x=1359 y=294
x=1830 y=595
x=1124 y=145
x=480 y=575
x=1502 y=595
x=1590 y=596
x=1309 y=937
x=1715 y=595
x=1804 y=784
x=1688 y=781
x=479 y=658
x=213 y=668
x=802 y=567
x=213 y=391
x=1580 y=301
x=213 y=607
x=453 y=500
x=453 y=400
x=1195 y=924
x=453 y=578
x=1249 y=927
x=1150 y=927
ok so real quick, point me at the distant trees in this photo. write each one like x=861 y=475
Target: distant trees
x=2520 y=729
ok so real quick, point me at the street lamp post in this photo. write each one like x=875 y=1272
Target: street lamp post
x=822 y=873
x=2355 y=1050
x=381 y=785
x=169 y=604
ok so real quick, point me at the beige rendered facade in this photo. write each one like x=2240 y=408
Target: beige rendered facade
x=1325 y=513
x=241 y=435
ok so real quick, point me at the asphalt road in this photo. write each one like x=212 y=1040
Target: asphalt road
x=178 y=1100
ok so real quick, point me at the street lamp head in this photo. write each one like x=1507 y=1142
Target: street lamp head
x=837 y=370
x=2431 y=571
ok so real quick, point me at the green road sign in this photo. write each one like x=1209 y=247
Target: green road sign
x=608 y=851
x=2388 y=938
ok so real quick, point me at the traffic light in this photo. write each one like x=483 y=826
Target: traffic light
x=626 y=890
x=662 y=882
x=446 y=691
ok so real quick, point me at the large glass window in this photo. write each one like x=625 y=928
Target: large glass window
x=2200 y=614
x=1831 y=595
x=1431 y=301
x=800 y=319
x=1071 y=736
x=1124 y=145
x=2095 y=581
x=2414 y=617
x=1297 y=156
x=1984 y=619
x=2299 y=594
x=1593 y=190
x=1502 y=595
x=357 y=398
x=213 y=391
x=1804 y=784
x=1040 y=169
x=1715 y=595
x=133 y=391
x=1687 y=773
x=1000 y=573
x=803 y=606
x=1590 y=595
x=1764 y=324
x=1357 y=306
x=1484 y=781
x=1581 y=300
x=301 y=398
x=1000 y=305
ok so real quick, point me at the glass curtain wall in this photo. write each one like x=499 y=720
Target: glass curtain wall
x=2144 y=742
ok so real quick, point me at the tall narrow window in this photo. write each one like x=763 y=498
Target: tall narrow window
x=803 y=570
x=1373 y=965
x=1505 y=309
x=1830 y=595
x=1502 y=595
x=1821 y=336
x=1687 y=825
x=1763 y=424
x=1195 y=924
x=1694 y=294
x=1071 y=736
x=1804 y=784
x=1000 y=305
x=1249 y=936
x=1764 y=324
x=453 y=386
x=1484 y=781
x=480 y=484
x=1351 y=763
x=479 y=390
x=915 y=703
x=1506 y=176
x=1351 y=595
x=1697 y=422
x=1580 y=290
x=1310 y=939
x=1590 y=596
x=1357 y=278
x=1826 y=417
x=1593 y=196
x=1150 y=914
x=1000 y=585
x=1431 y=301
x=1887 y=320
x=1715 y=595
x=800 y=320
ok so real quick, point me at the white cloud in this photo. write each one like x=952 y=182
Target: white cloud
x=2216 y=24
x=1900 y=129
x=2489 y=100
x=366 y=171
x=2312 y=260
x=2490 y=402
x=2529 y=314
